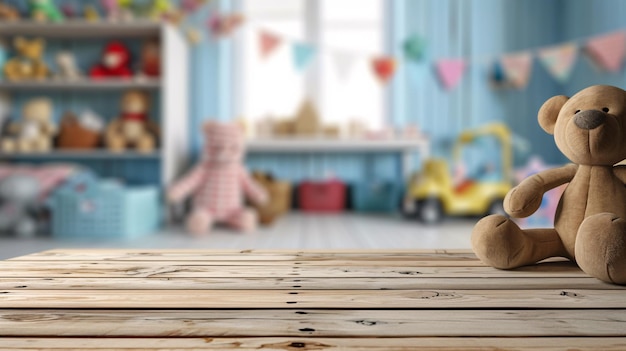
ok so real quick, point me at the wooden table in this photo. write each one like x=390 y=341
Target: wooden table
x=301 y=300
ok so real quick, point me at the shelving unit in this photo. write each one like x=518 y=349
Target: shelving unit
x=404 y=147
x=172 y=106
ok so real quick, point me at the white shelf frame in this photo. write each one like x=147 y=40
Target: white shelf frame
x=405 y=147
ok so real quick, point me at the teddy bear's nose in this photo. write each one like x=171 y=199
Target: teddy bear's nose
x=589 y=119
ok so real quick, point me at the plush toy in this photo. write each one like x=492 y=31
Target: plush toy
x=115 y=62
x=67 y=68
x=590 y=224
x=34 y=132
x=45 y=10
x=115 y=12
x=151 y=59
x=219 y=182
x=18 y=205
x=5 y=111
x=91 y=13
x=28 y=64
x=133 y=127
x=8 y=13
x=80 y=132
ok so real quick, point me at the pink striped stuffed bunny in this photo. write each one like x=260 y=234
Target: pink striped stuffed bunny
x=219 y=182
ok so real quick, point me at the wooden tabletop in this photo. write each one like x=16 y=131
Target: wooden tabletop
x=301 y=300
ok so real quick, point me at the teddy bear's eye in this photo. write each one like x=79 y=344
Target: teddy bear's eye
x=577 y=111
x=605 y=109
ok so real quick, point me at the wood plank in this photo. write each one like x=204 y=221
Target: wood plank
x=318 y=323
x=338 y=299
x=195 y=255
x=488 y=283
x=297 y=262
x=350 y=344
x=112 y=269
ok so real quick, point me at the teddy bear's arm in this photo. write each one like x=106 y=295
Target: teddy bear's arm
x=186 y=185
x=525 y=199
x=620 y=172
x=252 y=189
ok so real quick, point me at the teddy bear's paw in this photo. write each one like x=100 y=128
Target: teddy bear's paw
x=199 y=223
x=246 y=221
x=499 y=242
x=601 y=247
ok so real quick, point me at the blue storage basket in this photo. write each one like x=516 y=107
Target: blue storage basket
x=87 y=208
x=375 y=196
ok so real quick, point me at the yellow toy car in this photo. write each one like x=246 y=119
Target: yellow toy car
x=432 y=194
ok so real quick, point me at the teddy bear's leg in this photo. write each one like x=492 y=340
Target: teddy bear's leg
x=601 y=247
x=199 y=222
x=244 y=220
x=116 y=143
x=25 y=145
x=145 y=143
x=42 y=144
x=500 y=243
x=8 y=146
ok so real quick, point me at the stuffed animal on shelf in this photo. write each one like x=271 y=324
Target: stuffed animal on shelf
x=590 y=224
x=5 y=111
x=151 y=58
x=133 y=128
x=91 y=13
x=219 y=183
x=8 y=13
x=29 y=63
x=115 y=62
x=67 y=68
x=45 y=10
x=19 y=195
x=35 y=131
x=80 y=132
x=115 y=12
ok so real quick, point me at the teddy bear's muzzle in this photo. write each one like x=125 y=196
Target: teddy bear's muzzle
x=589 y=119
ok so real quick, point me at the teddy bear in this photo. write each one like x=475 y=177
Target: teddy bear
x=115 y=62
x=219 y=182
x=133 y=127
x=34 y=133
x=29 y=63
x=67 y=67
x=590 y=222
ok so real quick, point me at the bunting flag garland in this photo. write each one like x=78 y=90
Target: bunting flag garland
x=608 y=50
x=517 y=68
x=224 y=25
x=343 y=62
x=450 y=72
x=384 y=68
x=268 y=43
x=302 y=55
x=559 y=60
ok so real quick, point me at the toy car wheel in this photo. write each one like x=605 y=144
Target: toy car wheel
x=497 y=208
x=429 y=211
x=408 y=207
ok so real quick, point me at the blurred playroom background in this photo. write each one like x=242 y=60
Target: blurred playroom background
x=370 y=123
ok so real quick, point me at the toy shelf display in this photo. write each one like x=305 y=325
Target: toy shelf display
x=168 y=103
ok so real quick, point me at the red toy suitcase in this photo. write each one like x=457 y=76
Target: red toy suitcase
x=327 y=196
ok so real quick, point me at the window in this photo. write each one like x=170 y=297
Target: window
x=345 y=34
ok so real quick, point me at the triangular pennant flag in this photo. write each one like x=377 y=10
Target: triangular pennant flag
x=302 y=55
x=268 y=42
x=224 y=25
x=517 y=68
x=343 y=62
x=415 y=48
x=450 y=72
x=559 y=60
x=384 y=68
x=608 y=50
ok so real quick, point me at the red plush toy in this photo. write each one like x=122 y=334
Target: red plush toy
x=115 y=62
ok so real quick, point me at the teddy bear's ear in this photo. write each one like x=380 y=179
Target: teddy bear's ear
x=549 y=112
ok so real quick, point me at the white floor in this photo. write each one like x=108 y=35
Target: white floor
x=295 y=231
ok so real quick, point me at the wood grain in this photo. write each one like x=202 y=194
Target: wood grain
x=338 y=299
x=349 y=344
x=309 y=323
x=112 y=269
x=296 y=283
